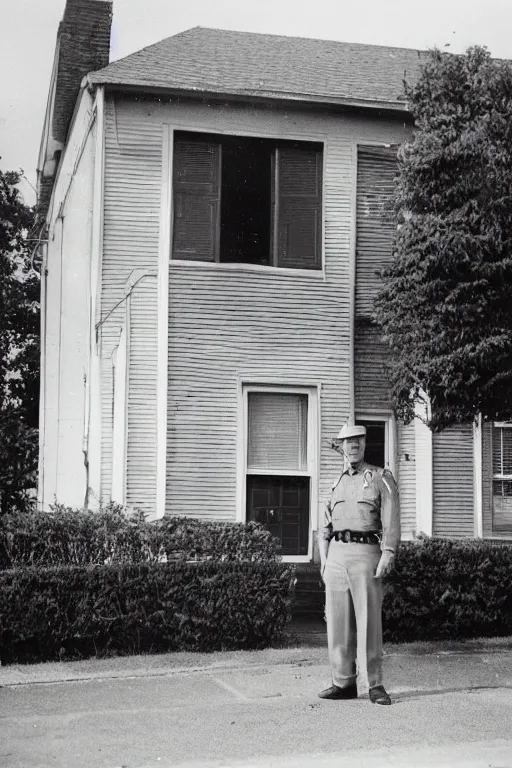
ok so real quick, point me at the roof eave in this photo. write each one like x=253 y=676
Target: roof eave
x=134 y=86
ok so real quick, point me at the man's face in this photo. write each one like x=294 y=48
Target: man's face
x=353 y=449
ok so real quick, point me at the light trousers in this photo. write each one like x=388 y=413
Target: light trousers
x=353 y=609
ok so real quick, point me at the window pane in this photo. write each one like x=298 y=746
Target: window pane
x=502 y=450
x=281 y=504
x=502 y=489
x=277 y=436
x=502 y=505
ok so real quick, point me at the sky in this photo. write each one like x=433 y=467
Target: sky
x=28 y=30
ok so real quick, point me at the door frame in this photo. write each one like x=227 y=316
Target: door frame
x=313 y=450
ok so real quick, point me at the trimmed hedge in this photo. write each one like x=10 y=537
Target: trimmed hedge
x=77 y=537
x=74 y=612
x=448 y=589
x=189 y=538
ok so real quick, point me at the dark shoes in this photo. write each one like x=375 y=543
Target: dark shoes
x=379 y=695
x=335 y=692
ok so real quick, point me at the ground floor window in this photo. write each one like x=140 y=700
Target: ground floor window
x=502 y=477
x=280 y=452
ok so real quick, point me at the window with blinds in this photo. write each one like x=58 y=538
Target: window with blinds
x=502 y=477
x=277 y=431
x=247 y=200
x=278 y=483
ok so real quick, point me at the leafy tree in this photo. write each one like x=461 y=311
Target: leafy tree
x=446 y=304
x=19 y=348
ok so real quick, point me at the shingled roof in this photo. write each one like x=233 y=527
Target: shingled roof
x=246 y=64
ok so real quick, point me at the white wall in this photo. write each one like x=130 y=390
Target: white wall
x=65 y=346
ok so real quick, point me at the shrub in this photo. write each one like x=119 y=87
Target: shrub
x=442 y=588
x=75 y=611
x=190 y=538
x=78 y=537
x=75 y=537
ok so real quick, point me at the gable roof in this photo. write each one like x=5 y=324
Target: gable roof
x=215 y=61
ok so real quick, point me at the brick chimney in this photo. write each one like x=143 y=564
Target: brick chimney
x=83 y=45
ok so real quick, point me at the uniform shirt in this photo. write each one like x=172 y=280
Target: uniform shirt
x=364 y=498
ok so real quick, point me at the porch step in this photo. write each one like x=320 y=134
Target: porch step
x=309 y=591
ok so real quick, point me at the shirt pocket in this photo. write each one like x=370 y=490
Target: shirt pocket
x=338 y=512
x=369 y=500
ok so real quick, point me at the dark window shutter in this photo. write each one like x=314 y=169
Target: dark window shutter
x=376 y=170
x=196 y=193
x=299 y=207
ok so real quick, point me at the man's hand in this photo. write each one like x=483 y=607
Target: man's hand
x=384 y=565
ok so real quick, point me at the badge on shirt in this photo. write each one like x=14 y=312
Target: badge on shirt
x=367 y=477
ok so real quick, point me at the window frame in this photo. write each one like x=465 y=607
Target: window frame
x=505 y=533
x=320 y=139
x=312 y=451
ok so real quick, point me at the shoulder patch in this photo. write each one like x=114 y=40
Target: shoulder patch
x=387 y=478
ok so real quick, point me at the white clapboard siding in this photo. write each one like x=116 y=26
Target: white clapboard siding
x=142 y=382
x=376 y=169
x=226 y=325
x=372 y=389
x=453 y=498
x=131 y=238
x=406 y=471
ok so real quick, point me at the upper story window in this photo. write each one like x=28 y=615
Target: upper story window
x=502 y=477
x=245 y=200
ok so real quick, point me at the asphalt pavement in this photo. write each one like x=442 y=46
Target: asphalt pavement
x=452 y=706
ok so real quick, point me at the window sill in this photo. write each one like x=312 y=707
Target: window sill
x=316 y=274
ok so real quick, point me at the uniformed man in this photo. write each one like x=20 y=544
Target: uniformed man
x=357 y=543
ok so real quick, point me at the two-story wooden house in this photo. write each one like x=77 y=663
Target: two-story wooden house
x=217 y=221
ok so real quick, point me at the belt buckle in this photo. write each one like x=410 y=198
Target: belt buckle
x=345 y=536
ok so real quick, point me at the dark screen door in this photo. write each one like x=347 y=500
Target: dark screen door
x=281 y=504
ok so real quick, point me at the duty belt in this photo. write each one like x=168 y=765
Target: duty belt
x=360 y=537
